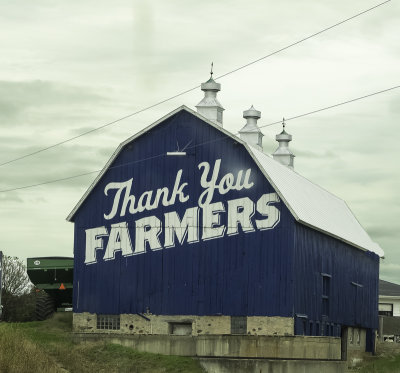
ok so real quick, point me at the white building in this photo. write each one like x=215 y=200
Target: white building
x=389 y=299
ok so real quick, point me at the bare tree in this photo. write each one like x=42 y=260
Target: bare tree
x=15 y=280
x=16 y=289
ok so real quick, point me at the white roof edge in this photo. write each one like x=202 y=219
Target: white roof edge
x=333 y=235
x=135 y=136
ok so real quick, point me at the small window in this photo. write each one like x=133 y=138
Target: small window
x=385 y=309
x=238 y=325
x=326 y=288
x=180 y=328
x=108 y=322
x=219 y=116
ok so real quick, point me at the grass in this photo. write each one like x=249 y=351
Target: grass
x=19 y=354
x=47 y=346
x=384 y=363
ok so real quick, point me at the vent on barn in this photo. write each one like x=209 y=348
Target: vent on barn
x=108 y=322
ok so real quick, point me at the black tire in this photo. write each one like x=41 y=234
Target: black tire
x=44 y=306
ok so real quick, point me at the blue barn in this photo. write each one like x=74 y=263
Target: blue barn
x=190 y=229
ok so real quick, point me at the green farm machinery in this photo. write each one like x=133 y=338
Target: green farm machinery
x=52 y=277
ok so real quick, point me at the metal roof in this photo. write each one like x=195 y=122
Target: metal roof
x=314 y=206
x=309 y=203
x=388 y=288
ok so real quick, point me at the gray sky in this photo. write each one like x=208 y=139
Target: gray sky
x=66 y=67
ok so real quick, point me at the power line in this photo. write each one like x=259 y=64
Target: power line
x=201 y=144
x=304 y=39
x=80 y=175
x=190 y=89
x=331 y=107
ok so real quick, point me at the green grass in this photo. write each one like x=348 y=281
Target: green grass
x=47 y=346
x=19 y=354
x=384 y=363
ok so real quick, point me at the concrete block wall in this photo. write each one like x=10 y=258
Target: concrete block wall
x=356 y=339
x=356 y=344
x=149 y=324
x=226 y=346
x=216 y=365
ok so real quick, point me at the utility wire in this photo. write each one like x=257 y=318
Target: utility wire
x=190 y=89
x=332 y=106
x=197 y=145
x=301 y=40
x=83 y=174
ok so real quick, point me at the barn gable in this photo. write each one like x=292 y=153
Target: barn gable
x=231 y=256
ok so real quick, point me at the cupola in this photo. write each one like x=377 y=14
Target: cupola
x=209 y=106
x=250 y=132
x=283 y=154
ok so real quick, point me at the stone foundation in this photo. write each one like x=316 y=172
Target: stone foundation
x=149 y=324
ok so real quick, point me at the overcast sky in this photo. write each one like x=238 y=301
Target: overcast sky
x=66 y=67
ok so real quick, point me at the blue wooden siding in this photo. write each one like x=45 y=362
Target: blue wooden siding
x=353 y=284
x=276 y=272
x=246 y=274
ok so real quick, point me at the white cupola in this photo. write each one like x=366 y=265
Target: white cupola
x=283 y=154
x=250 y=132
x=209 y=106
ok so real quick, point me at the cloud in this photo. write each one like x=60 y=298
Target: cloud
x=58 y=164
x=13 y=197
x=67 y=67
x=390 y=271
x=16 y=97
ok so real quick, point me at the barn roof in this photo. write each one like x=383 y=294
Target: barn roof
x=314 y=206
x=389 y=289
x=310 y=204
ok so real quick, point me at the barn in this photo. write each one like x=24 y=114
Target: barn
x=189 y=229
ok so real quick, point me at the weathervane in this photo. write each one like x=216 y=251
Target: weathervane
x=283 y=123
x=211 y=72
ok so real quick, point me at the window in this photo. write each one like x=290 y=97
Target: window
x=108 y=322
x=326 y=289
x=180 y=328
x=238 y=325
x=385 y=309
x=219 y=116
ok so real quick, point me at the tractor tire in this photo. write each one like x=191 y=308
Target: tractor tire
x=44 y=306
